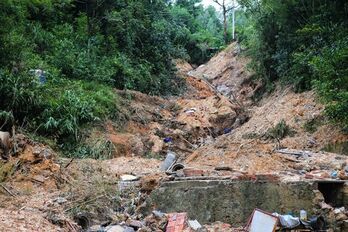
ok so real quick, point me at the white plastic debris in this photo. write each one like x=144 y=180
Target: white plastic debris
x=128 y=177
x=288 y=221
x=194 y=224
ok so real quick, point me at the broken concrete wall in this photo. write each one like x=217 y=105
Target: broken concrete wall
x=231 y=201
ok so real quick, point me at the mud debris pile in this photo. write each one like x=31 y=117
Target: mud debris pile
x=227 y=146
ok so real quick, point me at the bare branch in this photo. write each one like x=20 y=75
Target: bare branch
x=229 y=9
x=217 y=2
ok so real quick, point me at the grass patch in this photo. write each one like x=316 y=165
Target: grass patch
x=312 y=125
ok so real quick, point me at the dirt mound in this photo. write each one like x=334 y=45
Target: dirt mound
x=252 y=147
x=30 y=179
x=151 y=126
x=227 y=72
x=32 y=164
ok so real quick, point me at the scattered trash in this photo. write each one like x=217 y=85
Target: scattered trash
x=168 y=140
x=40 y=74
x=169 y=161
x=127 y=181
x=227 y=130
x=317 y=223
x=303 y=215
x=129 y=178
x=288 y=221
x=177 y=167
x=334 y=174
x=194 y=224
x=190 y=111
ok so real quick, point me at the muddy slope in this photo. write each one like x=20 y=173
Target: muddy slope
x=213 y=124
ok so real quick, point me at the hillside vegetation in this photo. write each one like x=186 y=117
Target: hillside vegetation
x=84 y=49
x=302 y=43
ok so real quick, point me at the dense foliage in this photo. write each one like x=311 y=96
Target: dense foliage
x=304 y=43
x=61 y=59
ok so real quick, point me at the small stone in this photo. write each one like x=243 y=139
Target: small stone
x=339 y=210
x=341 y=217
x=158 y=214
x=95 y=228
x=134 y=223
x=116 y=228
x=60 y=200
x=128 y=229
x=37 y=151
x=324 y=205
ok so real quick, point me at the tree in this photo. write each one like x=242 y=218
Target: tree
x=225 y=9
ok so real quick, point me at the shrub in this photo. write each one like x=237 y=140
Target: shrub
x=280 y=131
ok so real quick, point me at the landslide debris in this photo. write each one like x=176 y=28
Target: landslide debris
x=215 y=128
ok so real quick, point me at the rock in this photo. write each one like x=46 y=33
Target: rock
x=116 y=228
x=341 y=217
x=319 y=198
x=324 y=206
x=95 y=228
x=339 y=210
x=37 y=151
x=194 y=224
x=60 y=200
x=128 y=229
x=345 y=225
x=157 y=221
x=134 y=223
x=158 y=214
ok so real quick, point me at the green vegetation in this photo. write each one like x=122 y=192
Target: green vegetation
x=312 y=125
x=303 y=43
x=279 y=131
x=61 y=59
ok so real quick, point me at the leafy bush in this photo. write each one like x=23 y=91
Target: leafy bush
x=57 y=108
x=280 y=131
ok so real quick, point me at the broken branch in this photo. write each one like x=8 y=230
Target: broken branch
x=7 y=190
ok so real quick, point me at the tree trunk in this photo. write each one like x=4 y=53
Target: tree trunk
x=225 y=24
